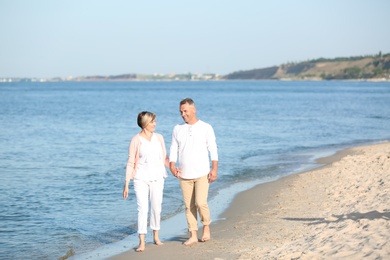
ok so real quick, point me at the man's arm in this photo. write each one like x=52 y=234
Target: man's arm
x=213 y=174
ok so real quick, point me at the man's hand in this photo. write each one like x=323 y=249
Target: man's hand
x=174 y=170
x=212 y=176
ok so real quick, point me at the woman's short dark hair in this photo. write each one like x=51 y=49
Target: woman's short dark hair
x=144 y=118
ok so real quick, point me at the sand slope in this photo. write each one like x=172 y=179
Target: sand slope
x=340 y=211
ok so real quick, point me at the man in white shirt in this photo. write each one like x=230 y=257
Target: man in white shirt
x=193 y=145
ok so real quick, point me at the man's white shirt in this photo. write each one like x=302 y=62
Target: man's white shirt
x=193 y=146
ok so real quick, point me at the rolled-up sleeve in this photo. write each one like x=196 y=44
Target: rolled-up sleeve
x=174 y=147
x=212 y=144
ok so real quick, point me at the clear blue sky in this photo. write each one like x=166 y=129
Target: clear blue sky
x=50 y=38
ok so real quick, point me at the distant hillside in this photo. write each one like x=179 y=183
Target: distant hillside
x=375 y=67
x=371 y=67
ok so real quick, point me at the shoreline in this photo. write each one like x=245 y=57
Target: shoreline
x=339 y=210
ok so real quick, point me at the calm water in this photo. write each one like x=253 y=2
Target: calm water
x=63 y=148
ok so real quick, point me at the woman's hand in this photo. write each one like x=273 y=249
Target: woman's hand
x=125 y=192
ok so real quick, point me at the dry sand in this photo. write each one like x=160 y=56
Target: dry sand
x=339 y=211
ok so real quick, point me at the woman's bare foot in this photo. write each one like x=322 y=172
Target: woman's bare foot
x=158 y=242
x=206 y=233
x=141 y=247
x=156 y=239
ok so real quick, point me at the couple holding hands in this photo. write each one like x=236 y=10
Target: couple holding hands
x=193 y=143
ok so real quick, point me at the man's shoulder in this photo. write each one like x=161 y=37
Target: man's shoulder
x=181 y=125
x=203 y=123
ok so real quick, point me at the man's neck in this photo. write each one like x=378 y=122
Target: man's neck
x=193 y=122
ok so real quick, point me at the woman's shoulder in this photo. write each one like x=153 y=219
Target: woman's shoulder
x=135 y=138
x=159 y=136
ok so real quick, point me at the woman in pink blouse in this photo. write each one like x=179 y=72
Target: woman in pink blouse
x=146 y=166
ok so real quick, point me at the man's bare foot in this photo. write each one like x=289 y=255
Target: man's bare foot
x=191 y=241
x=206 y=233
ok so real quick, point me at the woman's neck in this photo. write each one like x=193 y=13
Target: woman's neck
x=146 y=134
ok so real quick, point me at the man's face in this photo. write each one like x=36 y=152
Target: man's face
x=188 y=113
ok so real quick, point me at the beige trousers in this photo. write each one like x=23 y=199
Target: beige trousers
x=195 y=193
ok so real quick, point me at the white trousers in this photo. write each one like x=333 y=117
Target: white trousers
x=143 y=191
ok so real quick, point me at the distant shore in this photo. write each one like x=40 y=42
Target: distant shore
x=43 y=80
x=339 y=211
x=358 y=68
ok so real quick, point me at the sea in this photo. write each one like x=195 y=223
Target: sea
x=64 y=148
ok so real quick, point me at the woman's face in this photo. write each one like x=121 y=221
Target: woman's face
x=151 y=126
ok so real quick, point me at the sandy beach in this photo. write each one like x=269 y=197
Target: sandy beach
x=338 y=211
